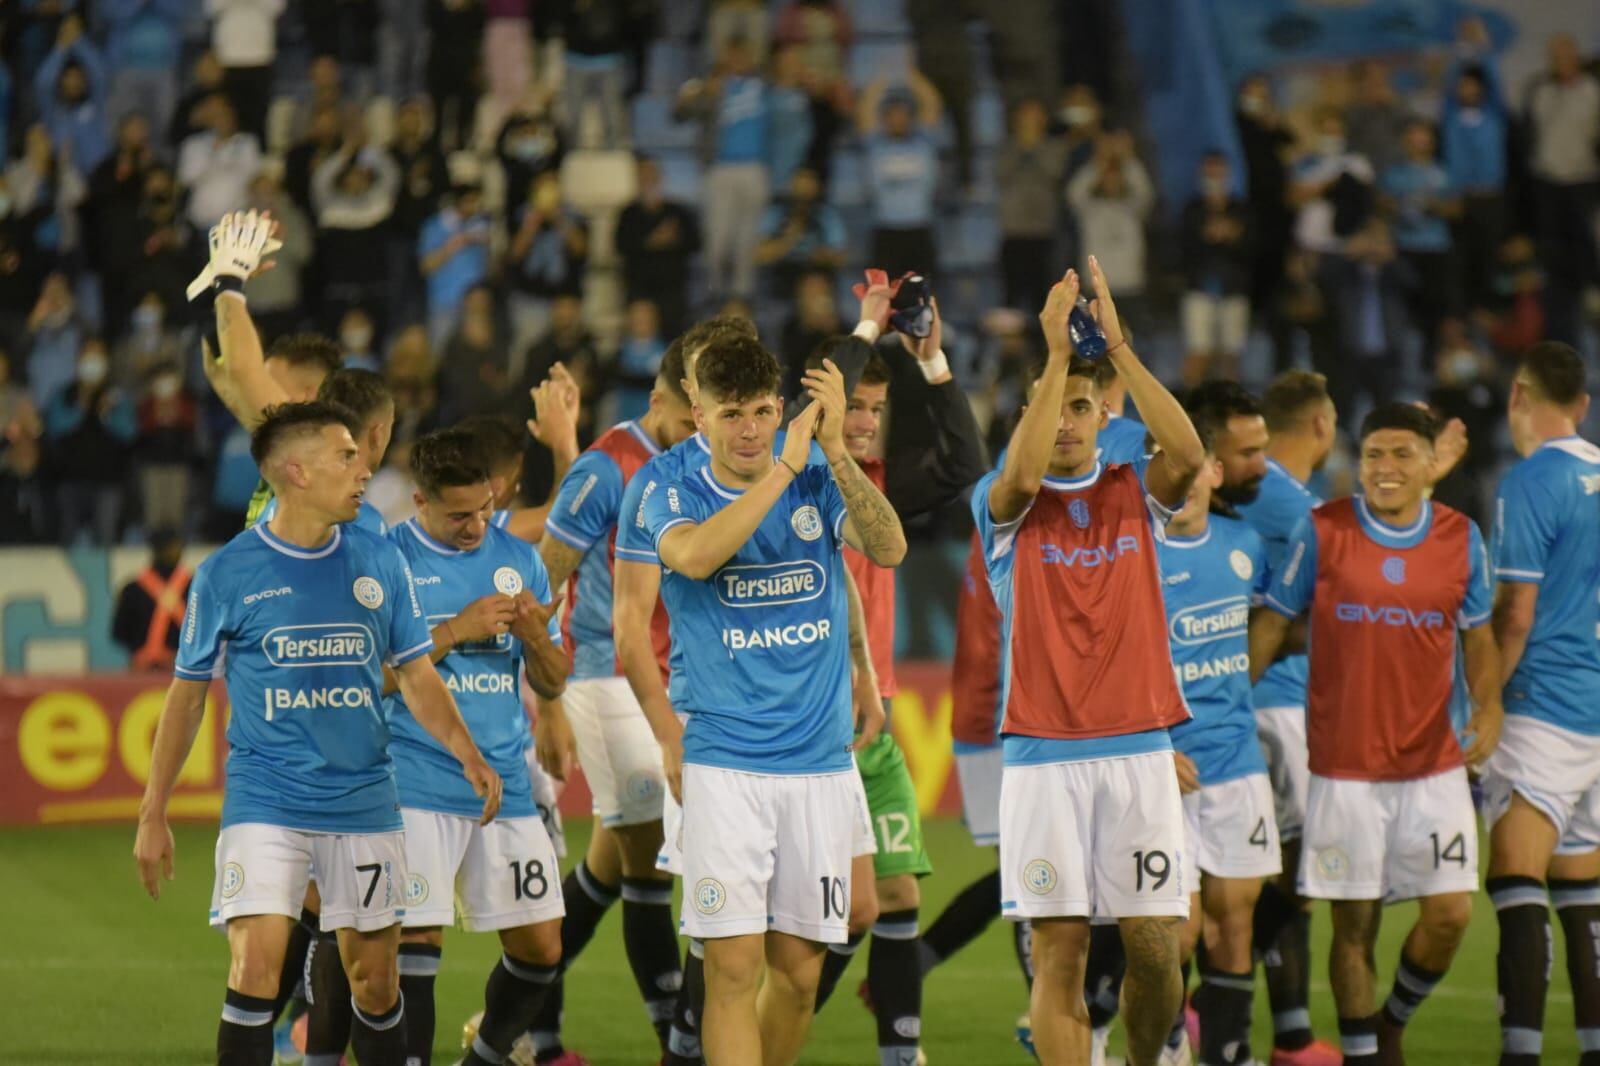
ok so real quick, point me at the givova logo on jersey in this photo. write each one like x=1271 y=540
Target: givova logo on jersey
x=1205 y=622
x=318 y=644
x=770 y=584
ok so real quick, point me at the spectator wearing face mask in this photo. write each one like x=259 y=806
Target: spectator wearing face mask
x=165 y=446
x=356 y=338
x=1465 y=388
x=548 y=251
x=529 y=145
x=88 y=427
x=1112 y=196
x=217 y=166
x=71 y=89
x=1264 y=141
x=156 y=254
x=1332 y=187
x=149 y=345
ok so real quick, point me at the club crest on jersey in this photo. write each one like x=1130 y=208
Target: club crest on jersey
x=1394 y=570
x=232 y=880
x=416 y=890
x=508 y=581
x=709 y=895
x=1039 y=876
x=806 y=523
x=1243 y=568
x=369 y=593
x=1078 y=511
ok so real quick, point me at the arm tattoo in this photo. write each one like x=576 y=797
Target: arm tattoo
x=876 y=524
x=560 y=560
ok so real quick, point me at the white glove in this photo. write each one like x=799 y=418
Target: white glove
x=238 y=243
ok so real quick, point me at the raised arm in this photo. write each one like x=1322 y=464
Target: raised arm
x=929 y=104
x=872 y=527
x=1034 y=439
x=867 y=106
x=243 y=362
x=180 y=722
x=431 y=704
x=554 y=424
x=1172 y=471
x=922 y=480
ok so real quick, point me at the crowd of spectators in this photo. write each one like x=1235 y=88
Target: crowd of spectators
x=432 y=164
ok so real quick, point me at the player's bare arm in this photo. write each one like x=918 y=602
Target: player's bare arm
x=1267 y=631
x=553 y=743
x=1512 y=621
x=1181 y=453
x=1034 y=439
x=635 y=589
x=1484 y=680
x=699 y=550
x=555 y=425
x=482 y=619
x=435 y=710
x=239 y=243
x=871 y=528
x=559 y=559
x=544 y=661
x=175 y=732
x=869 y=716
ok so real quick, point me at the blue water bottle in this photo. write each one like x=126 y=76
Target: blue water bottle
x=1086 y=334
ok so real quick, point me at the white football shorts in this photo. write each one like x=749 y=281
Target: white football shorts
x=264 y=869
x=499 y=876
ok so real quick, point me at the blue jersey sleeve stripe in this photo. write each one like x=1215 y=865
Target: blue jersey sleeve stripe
x=1280 y=608
x=401 y=658
x=838 y=525
x=1503 y=573
x=671 y=524
x=189 y=674
x=638 y=555
x=569 y=539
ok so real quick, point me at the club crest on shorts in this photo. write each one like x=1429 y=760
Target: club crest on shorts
x=508 y=581
x=369 y=593
x=416 y=890
x=1243 y=568
x=1394 y=570
x=1078 y=511
x=232 y=880
x=709 y=895
x=806 y=523
x=1333 y=863
x=642 y=785
x=1039 y=876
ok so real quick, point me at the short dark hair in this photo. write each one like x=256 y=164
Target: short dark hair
x=1077 y=367
x=874 y=372
x=1555 y=371
x=1404 y=416
x=286 y=421
x=307 y=349
x=736 y=369
x=363 y=392
x=447 y=458
x=698 y=336
x=1290 y=397
x=497 y=439
x=670 y=375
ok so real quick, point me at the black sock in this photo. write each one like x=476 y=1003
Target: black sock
x=1223 y=1002
x=1176 y=1033
x=244 y=1036
x=683 y=1042
x=419 y=966
x=1022 y=944
x=1577 y=904
x=545 y=1032
x=1358 y=1039
x=294 y=960
x=510 y=1000
x=1522 y=966
x=1286 y=958
x=1102 y=976
x=651 y=941
x=379 y=1039
x=1412 y=985
x=587 y=899
x=834 y=962
x=894 y=979
x=330 y=1018
x=962 y=920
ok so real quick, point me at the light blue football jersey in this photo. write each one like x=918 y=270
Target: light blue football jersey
x=484 y=677
x=1120 y=441
x=367 y=517
x=765 y=640
x=1275 y=512
x=1210 y=582
x=301 y=636
x=1547 y=533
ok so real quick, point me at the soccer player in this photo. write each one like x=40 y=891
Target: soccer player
x=486 y=597
x=365 y=395
x=1213 y=569
x=914 y=483
x=1542 y=784
x=554 y=424
x=309 y=608
x=615 y=746
x=1301 y=424
x=1388 y=578
x=1090 y=817
x=755 y=591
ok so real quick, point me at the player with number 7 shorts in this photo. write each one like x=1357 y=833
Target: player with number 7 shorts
x=1388 y=578
x=486 y=595
x=310 y=610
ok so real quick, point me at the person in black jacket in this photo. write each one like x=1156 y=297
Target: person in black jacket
x=656 y=238
x=1216 y=245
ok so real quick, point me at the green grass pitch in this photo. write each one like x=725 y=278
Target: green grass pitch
x=92 y=971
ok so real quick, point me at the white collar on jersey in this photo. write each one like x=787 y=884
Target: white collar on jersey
x=294 y=551
x=1574 y=446
x=632 y=426
x=434 y=545
x=1280 y=468
x=1384 y=529
x=1174 y=541
x=1067 y=484
x=700 y=440
x=717 y=486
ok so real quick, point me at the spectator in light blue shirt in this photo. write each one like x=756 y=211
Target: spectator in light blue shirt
x=1474 y=134
x=789 y=108
x=454 y=254
x=71 y=91
x=142 y=44
x=1422 y=204
x=801 y=233
x=902 y=172
x=638 y=361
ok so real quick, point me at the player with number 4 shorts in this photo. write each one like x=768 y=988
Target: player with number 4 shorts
x=1090 y=818
x=1388 y=578
x=309 y=610
x=486 y=597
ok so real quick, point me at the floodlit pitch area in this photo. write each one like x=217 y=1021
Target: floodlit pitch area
x=91 y=969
